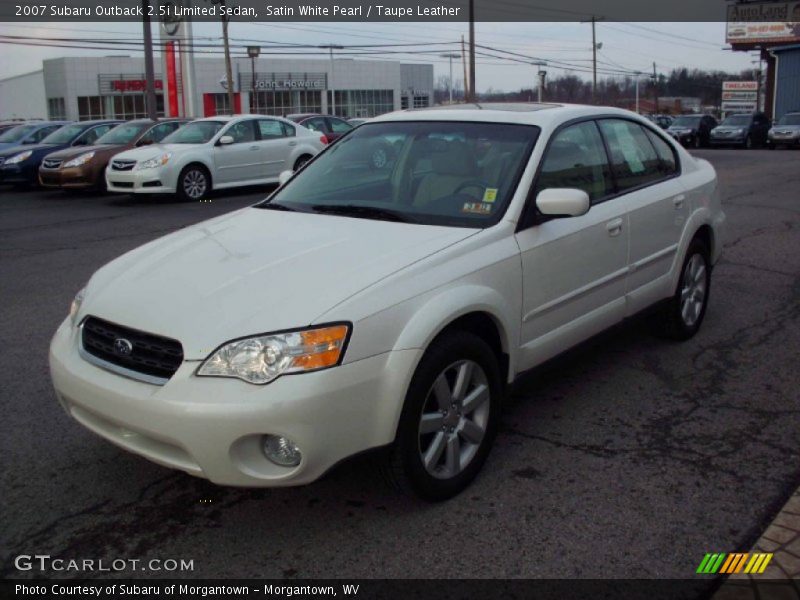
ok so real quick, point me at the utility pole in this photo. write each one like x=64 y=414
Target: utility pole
x=149 y=74
x=451 y=56
x=464 y=64
x=228 y=68
x=331 y=48
x=472 y=95
x=595 y=48
x=542 y=74
x=655 y=89
x=637 y=74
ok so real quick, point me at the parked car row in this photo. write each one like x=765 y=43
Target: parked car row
x=745 y=130
x=172 y=156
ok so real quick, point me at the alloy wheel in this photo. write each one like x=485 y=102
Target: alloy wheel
x=693 y=290
x=454 y=419
x=195 y=184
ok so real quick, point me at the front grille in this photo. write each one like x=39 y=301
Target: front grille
x=122 y=165
x=122 y=184
x=51 y=163
x=150 y=354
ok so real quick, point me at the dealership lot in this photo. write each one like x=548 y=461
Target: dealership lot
x=645 y=453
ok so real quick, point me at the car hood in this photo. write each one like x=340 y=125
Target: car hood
x=35 y=148
x=731 y=128
x=99 y=150
x=10 y=145
x=153 y=150
x=680 y=128
x=254 y=271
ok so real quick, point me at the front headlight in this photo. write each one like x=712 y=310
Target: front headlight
x=264 y=358
x=740 y=131
x=158 y=161
x=80 y=160
x=18 y=158
x=76 y=305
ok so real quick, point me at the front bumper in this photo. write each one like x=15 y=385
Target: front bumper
x=18 y=173
x=71 y=177
x=738 y=139
x=212 y=427
x=780 y=140
x=144 y=181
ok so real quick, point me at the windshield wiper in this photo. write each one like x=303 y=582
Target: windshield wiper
x=364 y=212
x=276 y=206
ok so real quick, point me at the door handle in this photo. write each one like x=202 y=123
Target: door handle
x=253 y=147
x=614 y=227
x=678 y=201
x=293 y=143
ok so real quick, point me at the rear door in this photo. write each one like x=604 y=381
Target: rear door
x=241 y=160
x=275 y=146
x=645 y=169
x=574 y=269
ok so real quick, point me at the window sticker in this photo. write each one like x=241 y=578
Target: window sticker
x=477 y=208
x=490 y=195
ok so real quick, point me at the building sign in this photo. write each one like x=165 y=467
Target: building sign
x=283 y=81
x=126 y=84
x=739 y=96
x=763 y=22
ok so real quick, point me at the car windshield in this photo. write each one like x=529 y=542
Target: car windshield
x=17 y=133
x=737 y=121
x=433 y=173
x=791 y=119
x=123 y=134
x=64 y=135
x=196 y=132
x=686 y=121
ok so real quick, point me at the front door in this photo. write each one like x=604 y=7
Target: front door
x=241 y=160
x=574 y=268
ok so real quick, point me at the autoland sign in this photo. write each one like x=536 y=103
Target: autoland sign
x=763 y=22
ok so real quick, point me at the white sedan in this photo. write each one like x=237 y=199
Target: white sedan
x=215 y=153
x=360 y=308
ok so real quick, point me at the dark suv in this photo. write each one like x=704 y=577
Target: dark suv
x=692 y=130
x=744 y=130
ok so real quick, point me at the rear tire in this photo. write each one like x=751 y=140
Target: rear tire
x=680 y=318
x=748 y=143
x=449 y=418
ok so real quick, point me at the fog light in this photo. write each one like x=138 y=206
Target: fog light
x=280 y=450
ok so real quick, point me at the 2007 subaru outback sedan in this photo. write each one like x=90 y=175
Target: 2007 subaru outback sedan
x=362 y=306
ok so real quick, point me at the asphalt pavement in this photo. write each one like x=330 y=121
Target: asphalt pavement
x=629 y=457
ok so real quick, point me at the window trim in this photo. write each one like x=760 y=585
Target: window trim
x=529 y=218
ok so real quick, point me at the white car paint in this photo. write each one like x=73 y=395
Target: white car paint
x=545 y=287
x=238 y=164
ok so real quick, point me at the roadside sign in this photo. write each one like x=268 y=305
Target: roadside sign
x=731 y=106
x=739 y=86
x=741 y=96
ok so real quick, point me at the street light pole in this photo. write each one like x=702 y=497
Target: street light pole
x=450 y=83
x=149 y=71
x=542 y=74
x=637 y=74
x=253 y=52
x=331 y=47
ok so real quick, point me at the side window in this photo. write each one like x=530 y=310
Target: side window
x=88 y=138
x=288 y=130
x=243 y=131
x=339 y=126
x=576 y=158
x=634 y=161
x=666 y=155
x=270 y=129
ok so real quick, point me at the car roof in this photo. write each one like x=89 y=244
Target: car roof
x=532 y=113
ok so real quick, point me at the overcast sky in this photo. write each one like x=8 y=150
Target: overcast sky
x=632 y=46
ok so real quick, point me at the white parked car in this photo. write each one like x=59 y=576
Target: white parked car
x=214 y=153
x=359 y=308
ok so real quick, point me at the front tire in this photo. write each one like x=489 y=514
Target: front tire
x=194 y=184
x=449 y=418
x=681 y=317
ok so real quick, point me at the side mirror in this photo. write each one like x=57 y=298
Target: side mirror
x=225 y=140
x=284 y=177
x=563 y=202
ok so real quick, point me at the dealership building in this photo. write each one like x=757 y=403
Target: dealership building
x=114 y=87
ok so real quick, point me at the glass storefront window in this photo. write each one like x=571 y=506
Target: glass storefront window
x=362 y=103
x=285 y=102
x=134 y=106
x=90 y=108
x=56 y=109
